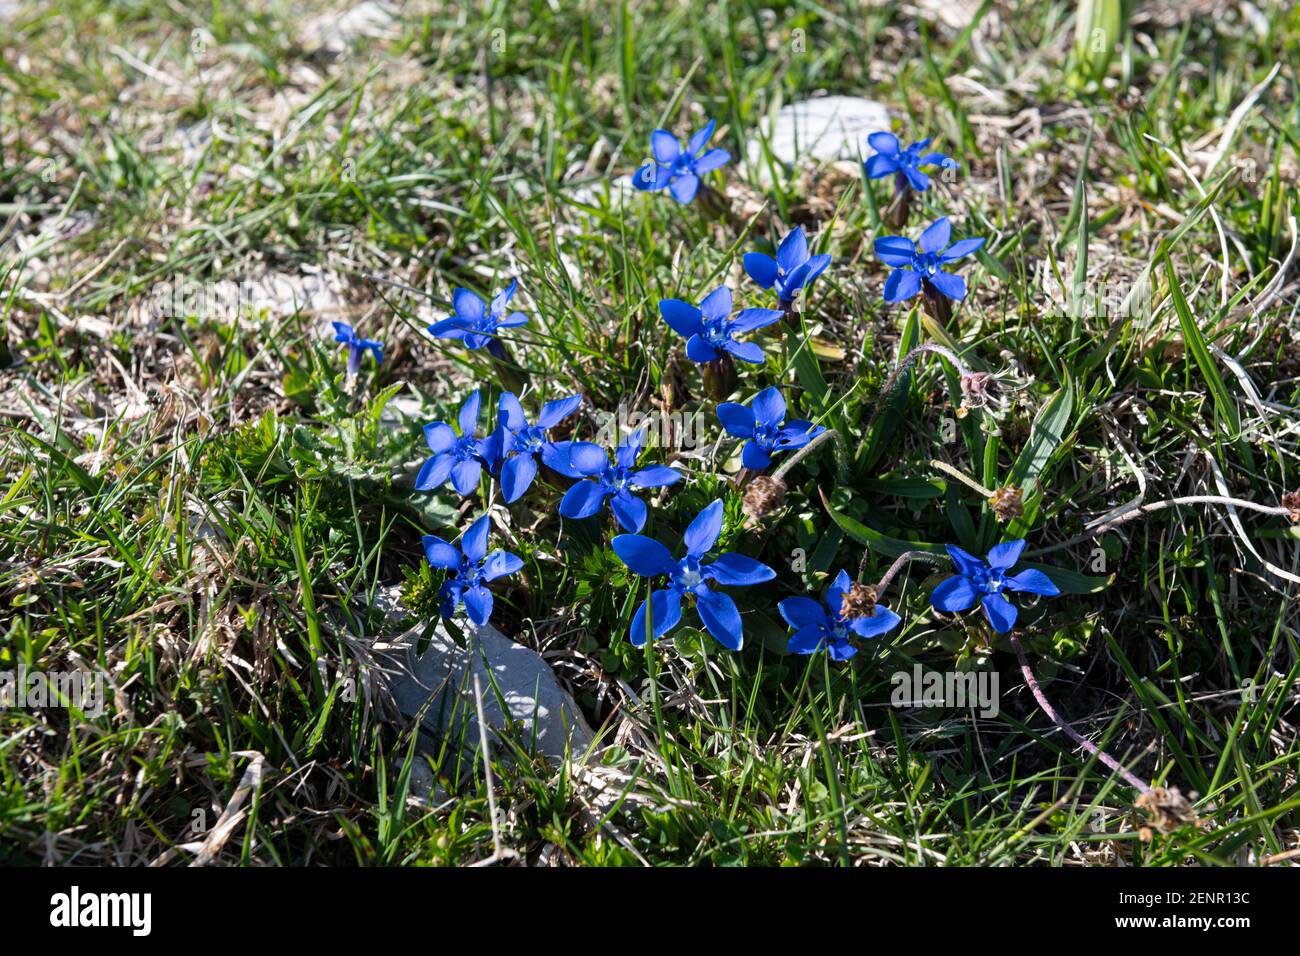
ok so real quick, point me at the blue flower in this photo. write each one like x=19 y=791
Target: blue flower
x=518 y=445
x=817 y=626
x=761 y=423
x=709 y=330
x=469 y=570
x=459 y=458
x=615 y=482
x=476 y=323
x=891 y=158
x=690 y=576
x=919 y=264
x=679 y=169
x=791 y=271
x=356 y=346
x=984 y=581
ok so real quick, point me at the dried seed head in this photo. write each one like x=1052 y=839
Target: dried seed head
x=858 y=601
x=1291 y=502
x=763 y=495
x=1007 y=503
x=1166 y=811
x=976 y=390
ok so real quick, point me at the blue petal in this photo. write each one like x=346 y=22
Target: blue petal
x=553 y=413
x=478 y=604
x=465 y=475
x=746 y=352
x=1004 y=556
x=769 y=407
x=835 y=592
x=960 y=249
x=936 y=236
x=517 y=475
x=468 y=418
x=802 y=611
x=761 y=268
x=901 y=285
x=510 y=413
x=882 y=620
x=806 y=640
x=468 y=306
x=701 y=138
x=957 y=593
x=664 y=147
x=754 y=456
x=647 y=178
x=682 y=317
x=717 y=304
x=880 y=166
x=698 y=350
x=434 y=472
x=719 y=614
x=966 y=562
x=575 y=459
x=884 y=143
x=713 y=159
x=751 y=319
x=1033 y=581
x=953 y=286
x=1000 y=612
x=629 y=510
x=684 y=188
x=895 y=251
x=439 y=553
x=738 y=570
x=473 y=543
x=917 y=180
x=736 y=419
x=654 y=476
x=503 y=299
x=583 y=500
x=703 y=531
x=644 y=556
x=500 y=563
x=439 y=437
x=667 y=611
x=793 y=251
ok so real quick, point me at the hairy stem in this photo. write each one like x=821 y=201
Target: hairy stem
x=965 y=479
x=1069 y=731
x=883 y=584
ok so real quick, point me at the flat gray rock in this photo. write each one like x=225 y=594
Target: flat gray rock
x=823 y=130
x=526 y=693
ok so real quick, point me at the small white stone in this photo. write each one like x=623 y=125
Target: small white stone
x=824 y=130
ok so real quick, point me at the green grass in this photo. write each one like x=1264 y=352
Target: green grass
x=198 y=506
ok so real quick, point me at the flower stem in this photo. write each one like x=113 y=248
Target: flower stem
x=965 y=479
x=1108 y=524
x=903 y=559
x=901 y=206
x=904 y=365
x=1069 y=731
x=804 y=452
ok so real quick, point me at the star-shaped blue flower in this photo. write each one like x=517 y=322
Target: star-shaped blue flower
x=357 y=346
x=475 y=323
x=469 y=570
x=615 y=483
x=817 y=625
x=519 y=445
x=460 y=458
x=710 y=330
x=919 y=264
x=679 y=169
x=791 y=271
x=762 y=422
x=690 y=576
x=892 y=158
x=985 y=581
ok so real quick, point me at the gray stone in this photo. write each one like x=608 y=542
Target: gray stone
x=543 y=714
x=824 y=129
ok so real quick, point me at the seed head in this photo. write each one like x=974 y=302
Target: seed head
x=1007 y=503
x=858 y=601
x=1291 y=502
x=976 y=390
x=763 y=495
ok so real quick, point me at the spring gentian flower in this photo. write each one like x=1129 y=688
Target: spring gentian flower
x=690 y=576
x=459 y=458
x=903 y=163
x=792 y=269
x=984 y=581
x=615 y=483
x=469 y=570
x=762 y=423
x=357 y=346
x=918 y=265
x=477 y=324
x=817 y=626
x=679 y=169
x=710 y=330
x=518 y=445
